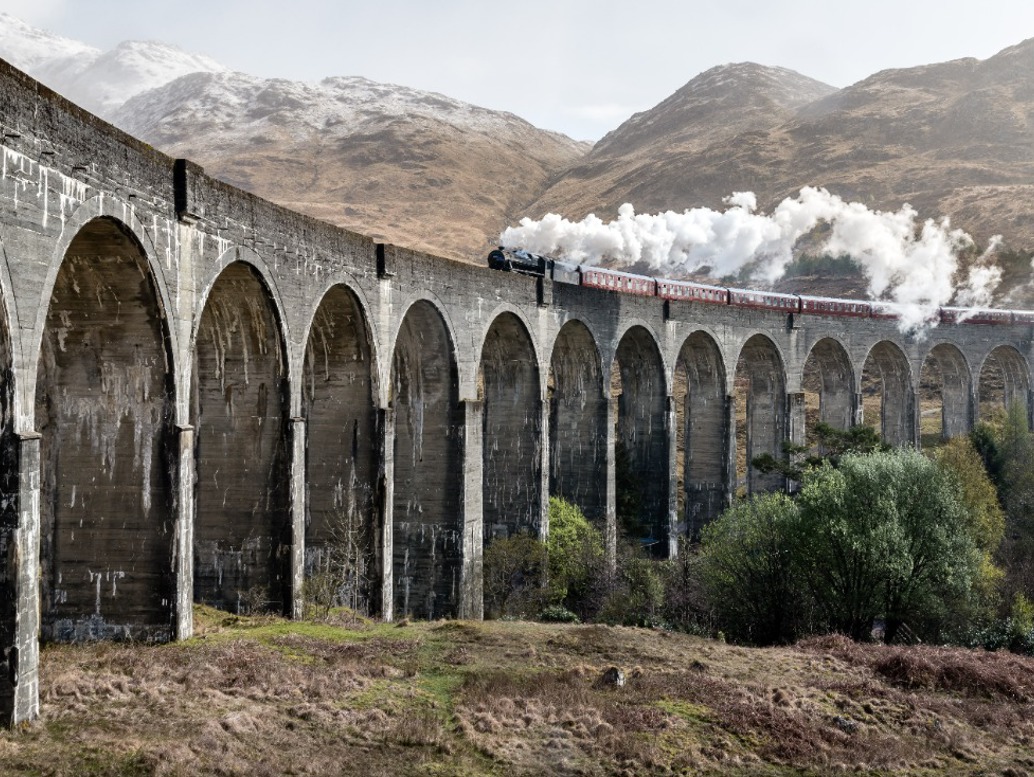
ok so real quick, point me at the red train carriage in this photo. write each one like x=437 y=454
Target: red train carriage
x=830 y=306
x=692 y=292
x=888 y=310
x=765 y=300
x=612 y=280
x=975 y=316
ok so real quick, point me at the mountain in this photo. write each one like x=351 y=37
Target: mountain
x=955 y=138
x=100 y=81
x=648 y=160
x=403 y=165
x=427 y=171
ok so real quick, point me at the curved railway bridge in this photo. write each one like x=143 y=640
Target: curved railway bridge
x=201 y=388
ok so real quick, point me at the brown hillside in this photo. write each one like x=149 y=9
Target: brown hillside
x=955 y=138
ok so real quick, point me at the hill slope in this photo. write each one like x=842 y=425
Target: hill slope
x=402 y=165
x=955 y=138
x=263 y=696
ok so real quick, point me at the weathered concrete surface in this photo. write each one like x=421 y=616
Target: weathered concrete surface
x=198 y=390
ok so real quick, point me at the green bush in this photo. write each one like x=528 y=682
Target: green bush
x=514 y=570
x=556 y=613
x=575 y=558
x=747 y=567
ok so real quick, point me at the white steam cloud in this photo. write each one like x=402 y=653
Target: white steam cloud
x=913 y=265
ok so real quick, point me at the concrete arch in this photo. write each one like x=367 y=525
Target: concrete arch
x=104 y=407
x=578 y=421
x=338 y=398
x=240 y=412
x=350 y=283
x=1004 y=380
x=761 y=422
x=466 y=375
x=887 y=373
x=512 y=422
x=641 y=440
x=427 y=535
x=654 y=339
x=828 y=373
x=246 y=256
x=529 y=330
x=121 y=214
x=945 y=376
x=702 y=430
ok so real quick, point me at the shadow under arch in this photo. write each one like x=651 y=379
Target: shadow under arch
x=427 y=531
x=888 y=397
x=104 y=410
x=642 y=478
x=578 y=422
x=946 y=408
x=829 y=378
x=702 y=420
x=239 y=400
x=1004 y=381
x=343 y=547
x=760 y=386
x=512 y=423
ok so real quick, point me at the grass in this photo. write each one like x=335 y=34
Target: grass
x=265 y=696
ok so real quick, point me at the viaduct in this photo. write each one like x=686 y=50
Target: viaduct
x=198 y=386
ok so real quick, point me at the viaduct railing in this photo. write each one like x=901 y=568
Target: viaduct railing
x=201 y=388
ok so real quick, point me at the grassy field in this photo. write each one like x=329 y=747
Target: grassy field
x=263 y=696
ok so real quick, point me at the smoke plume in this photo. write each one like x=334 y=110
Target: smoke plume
x=912 y=264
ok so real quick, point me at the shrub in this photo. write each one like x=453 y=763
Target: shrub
x=556 y=613
x=636 y=592
x=575 y=558
x=514 y=577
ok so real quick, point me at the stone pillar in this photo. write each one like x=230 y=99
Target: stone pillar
x=386 y=507
x=21 y=702
x=730 y=449
x=796 y=429
x=471 y=604
x=298 y=516
x=610 y=527
x=671 y=429
x=858 y=411
x=183 y=547
x=544 y=470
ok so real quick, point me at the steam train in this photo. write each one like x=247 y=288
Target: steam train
x=524 y=262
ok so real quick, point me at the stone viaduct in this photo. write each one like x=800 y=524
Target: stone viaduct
x=200 y=388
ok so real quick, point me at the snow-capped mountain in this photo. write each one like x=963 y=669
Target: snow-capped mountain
x=99 y=81
x=416 y=168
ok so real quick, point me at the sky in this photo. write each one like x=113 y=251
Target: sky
x=574 y=66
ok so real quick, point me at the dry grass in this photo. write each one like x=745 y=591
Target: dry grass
x=260 y=696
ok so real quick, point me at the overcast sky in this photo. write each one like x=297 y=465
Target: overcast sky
x=576 y=66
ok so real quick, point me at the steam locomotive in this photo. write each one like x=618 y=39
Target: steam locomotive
x=525 y=262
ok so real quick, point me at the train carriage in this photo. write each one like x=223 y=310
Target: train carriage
x=765 y=300
x=612 y=280
x=975 y=316
x=831 y=306
x=692 y=292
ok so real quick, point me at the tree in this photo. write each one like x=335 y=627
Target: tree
x=833 y=444
x=885 y=534
x=985 y=523
x=1006 y=446
x=747 y=563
